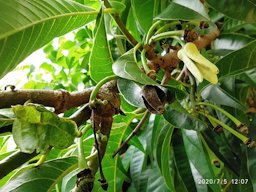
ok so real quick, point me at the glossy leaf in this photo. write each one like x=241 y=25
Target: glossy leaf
x=127 y=68
x=230 y=42
x=136 y=167
x=131 y=92
x=241 y=10
x=155 y=181
x=182 y=162
x=42 y=178
x=143 y=18
x=100 y=62
x=164 y=157
x=237 y=61
x=221 y=97
x=194 y=146
x=38 y=23
x=177 y=116
x=37 y=128
x=184 y=10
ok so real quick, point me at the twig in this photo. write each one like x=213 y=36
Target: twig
x=121 y=25
x=137 y=128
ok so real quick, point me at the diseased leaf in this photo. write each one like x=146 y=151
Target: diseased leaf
x=43 y=177
x=184 y=10
x=127 y=68
x=100 y=62
x=28 y=25
x=177 y=116
x=36 y=128
x=237 y=61
x=241 y=10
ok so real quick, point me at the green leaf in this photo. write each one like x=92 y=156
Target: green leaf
x=131 y=92
x=100 y=62
x=164 y=157
x=156 y=181
x=143 y=18
x=43 y=177
x=238 y=61
x=37 y=24
x=250 y=154
x=221 y=97
x=136 y=167
x=177 y=116
x=135 y=140
x=241 y=10
x=198 y=157
x=127 y=68
x=37 y=128
x=184 y=10
x=182 y=163
x=230 y=42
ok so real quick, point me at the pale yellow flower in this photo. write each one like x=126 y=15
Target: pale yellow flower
x=200 y=67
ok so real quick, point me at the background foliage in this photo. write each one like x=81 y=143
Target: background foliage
x=172 y=151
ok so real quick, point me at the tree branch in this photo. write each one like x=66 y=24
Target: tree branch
x=59 y=99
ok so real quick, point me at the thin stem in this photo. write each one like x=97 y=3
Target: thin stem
x=103 y=179
x=144 y=61
x=151 y=31
x=137 y=128
x=135 y=50
x=81 y=158
x=192 y=90
x=166 y=27
x=98 y=86
x=231 y=117
x=240 y=136
x=168 y=34
x=43 y=157
x=121 y=25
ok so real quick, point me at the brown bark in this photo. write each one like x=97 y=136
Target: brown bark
x=59 y=99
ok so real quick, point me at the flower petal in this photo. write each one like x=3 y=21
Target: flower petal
x=207 y=74
x=193 y=53
x=190 y=65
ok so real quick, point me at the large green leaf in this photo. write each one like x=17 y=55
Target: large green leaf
x=238 y=61
x=221 y=97
x=143 y=18
x=184 y=10
x=229 y=42
x=131 y=92
x=43 y=177
x=177 y=116
x=27 y=25
x=182 y=163
x=198 y=157
x=242 y=10
x=100 y=61
x=127 y=68
x=164 y=157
